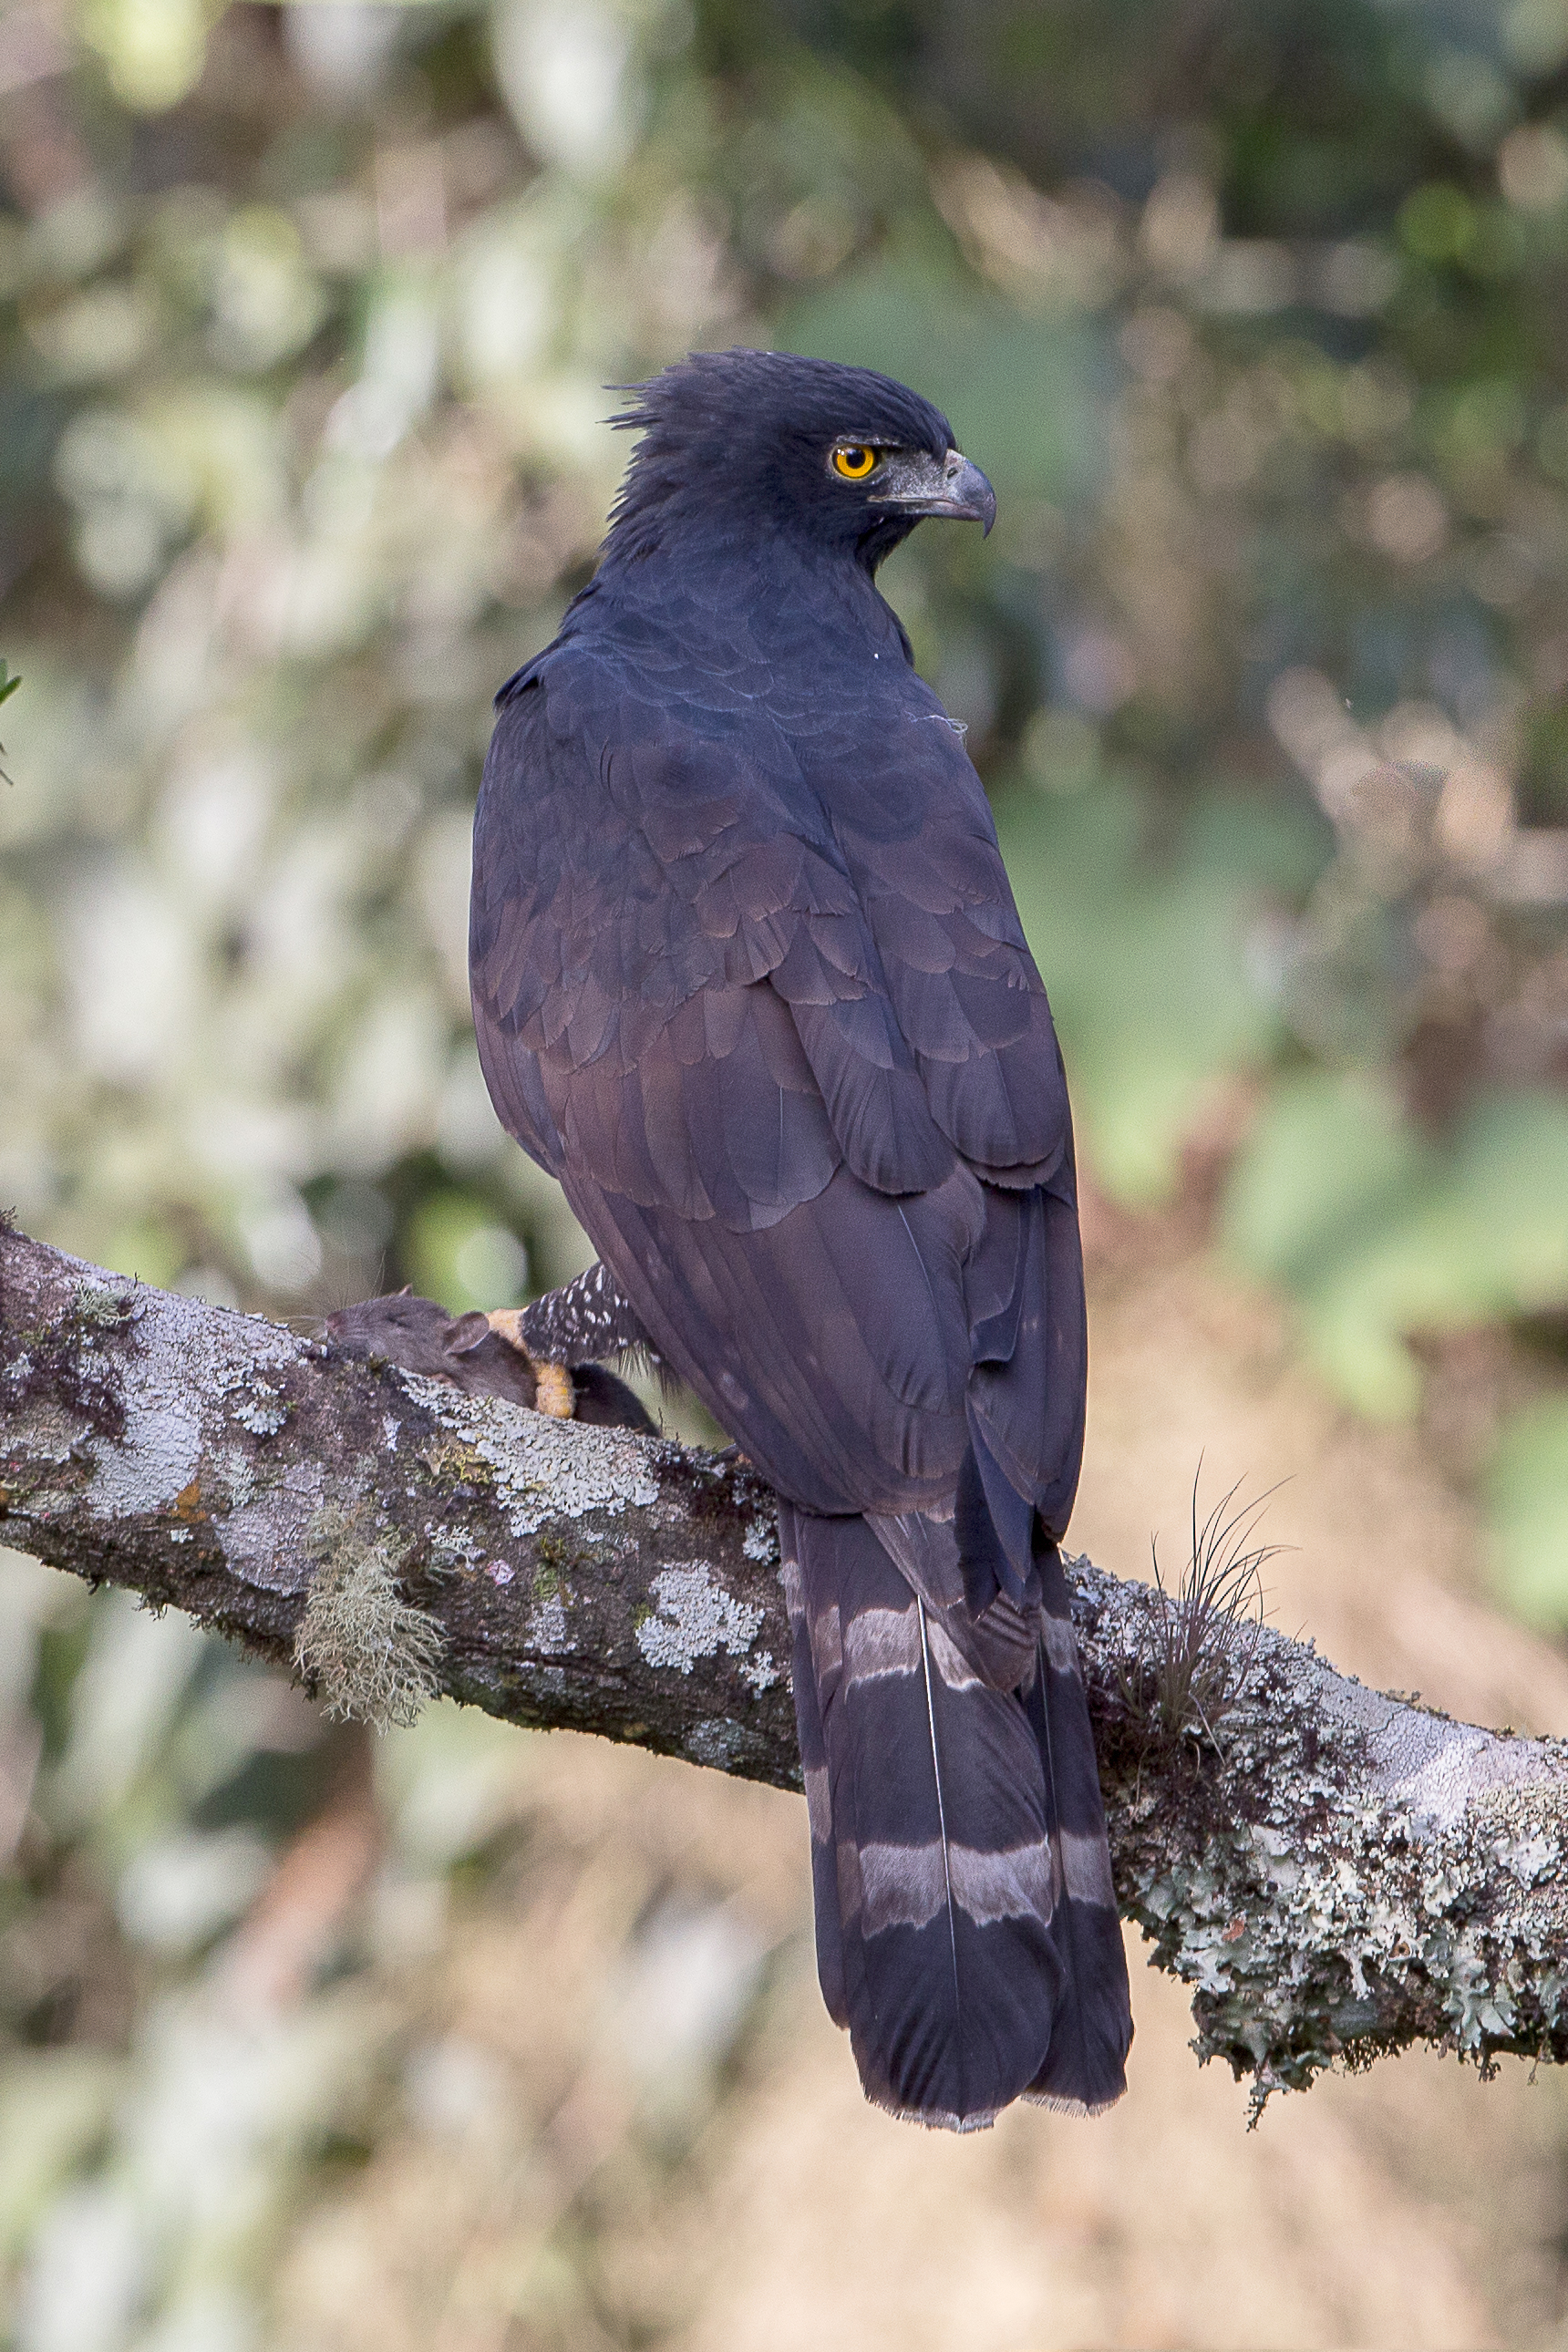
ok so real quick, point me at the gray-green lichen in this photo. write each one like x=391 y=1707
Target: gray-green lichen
x=1336 y=1874
x=693 y=1617
x=760 y=1541
x=369 y=1654
x=1354 y=1874
x=544 y=1469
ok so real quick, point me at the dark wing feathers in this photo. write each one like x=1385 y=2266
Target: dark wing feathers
x=1028 y=1409
x=763 y=1002
x=595 y=928
x=833 y=1345
x=875 y=1102
x=516 y=1083
x=962 y=984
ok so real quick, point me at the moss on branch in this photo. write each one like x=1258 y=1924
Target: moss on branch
x=1336 y=1874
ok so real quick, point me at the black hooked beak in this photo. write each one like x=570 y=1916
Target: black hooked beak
x=923 y=485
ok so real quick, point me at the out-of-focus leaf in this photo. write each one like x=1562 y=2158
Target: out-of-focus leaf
x=177 y=1891
x=55 y=2105
x=132 y=1682
x=1328 y=1159
x=459 y=1254
x=1378 y=1234
x=1527 y=1508
x=153 y=50
x=89 y=2270
x=1146 y=956
x=31 y=1596
x=7 y=687
x=688 y=1978
x=568 y=71
x=449 y=1783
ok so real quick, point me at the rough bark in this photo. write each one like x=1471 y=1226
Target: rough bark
x=1335 y=1873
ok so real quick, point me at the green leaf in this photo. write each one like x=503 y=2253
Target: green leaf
x=1330 y=1158
x=9 y=684
x=1378 y=1234
x=457 y=1253
x=1527 y=1508
x=1146 y=960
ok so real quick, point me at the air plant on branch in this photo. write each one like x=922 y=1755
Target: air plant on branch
x=1205 y=1635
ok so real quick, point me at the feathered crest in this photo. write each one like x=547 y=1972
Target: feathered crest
x=717 y=427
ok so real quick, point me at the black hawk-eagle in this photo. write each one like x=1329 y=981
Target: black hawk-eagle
x=749 y=979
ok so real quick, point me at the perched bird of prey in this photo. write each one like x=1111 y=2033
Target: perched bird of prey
x=749 y=979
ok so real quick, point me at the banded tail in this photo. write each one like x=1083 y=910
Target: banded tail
x=966 y=1925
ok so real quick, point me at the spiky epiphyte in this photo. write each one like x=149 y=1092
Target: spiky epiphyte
x=1204 y=1634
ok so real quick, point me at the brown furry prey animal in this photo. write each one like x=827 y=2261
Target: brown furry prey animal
x=748 y=978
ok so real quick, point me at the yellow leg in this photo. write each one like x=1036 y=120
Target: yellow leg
x=555 y=1395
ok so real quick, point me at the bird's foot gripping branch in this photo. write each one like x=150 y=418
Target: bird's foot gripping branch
x=1336 y=1874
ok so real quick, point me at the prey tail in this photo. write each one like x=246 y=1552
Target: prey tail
x=1084 y=2067
x=936 y=1878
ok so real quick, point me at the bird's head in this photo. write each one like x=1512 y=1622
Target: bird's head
x=741 y=446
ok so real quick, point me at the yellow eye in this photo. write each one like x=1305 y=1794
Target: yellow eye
x=854 y=463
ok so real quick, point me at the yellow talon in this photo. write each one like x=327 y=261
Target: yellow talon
x=556 y=1396
x=555 y=1392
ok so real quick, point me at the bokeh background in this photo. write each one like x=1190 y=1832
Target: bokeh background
x=1258 y=316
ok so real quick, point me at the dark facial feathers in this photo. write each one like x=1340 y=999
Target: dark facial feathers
x=737 y=441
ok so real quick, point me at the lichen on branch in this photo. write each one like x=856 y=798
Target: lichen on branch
x=368 y=1654
x=1334 y=1872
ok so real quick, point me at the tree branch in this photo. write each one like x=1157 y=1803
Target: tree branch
x=1335 y=1873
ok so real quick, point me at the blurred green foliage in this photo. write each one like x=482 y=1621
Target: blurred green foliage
x=1149 y=915
x=1529 y=1477
x=1380 y=1231
x=1256 y=316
